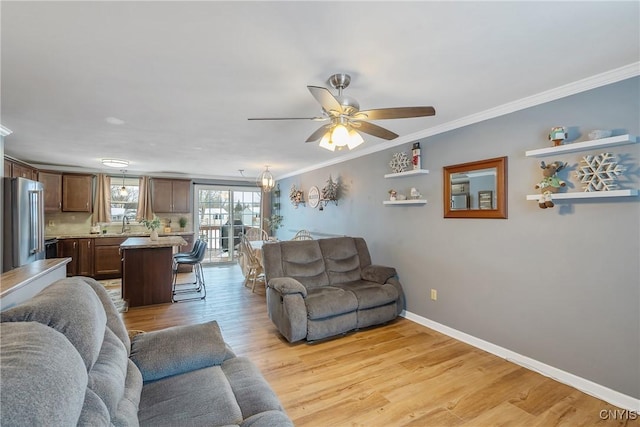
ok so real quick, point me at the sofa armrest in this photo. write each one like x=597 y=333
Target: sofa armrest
x=378 y=273
x=287 y=285
x=179 y=349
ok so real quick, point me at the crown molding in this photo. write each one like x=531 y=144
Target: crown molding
x=583 y=85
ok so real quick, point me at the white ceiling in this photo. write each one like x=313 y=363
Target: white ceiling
x=185 y=76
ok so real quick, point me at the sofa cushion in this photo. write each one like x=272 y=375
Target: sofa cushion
x=329 y=301
x=178 y=349
x=107 y=375
x=127 y=413
x=252 y=391
x=268 y=419
x=370 y=294
x=341 y=259
x=42 y=375
x=303 y=261
x=196 y=398
x=114 y=320
x=70 y=307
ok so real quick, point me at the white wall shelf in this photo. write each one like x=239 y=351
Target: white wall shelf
x=585 y=145
x=407 y=173
x=405 y=202
x=588 y=194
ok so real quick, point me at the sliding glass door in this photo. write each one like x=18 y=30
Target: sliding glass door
x=222 y=214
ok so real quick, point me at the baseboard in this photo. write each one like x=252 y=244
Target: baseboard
x=586 y=386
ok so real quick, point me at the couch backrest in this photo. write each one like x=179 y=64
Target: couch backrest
x=316 y=263
x=80 y=309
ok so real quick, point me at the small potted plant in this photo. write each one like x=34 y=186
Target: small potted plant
x=182 y=222
x=152 y=225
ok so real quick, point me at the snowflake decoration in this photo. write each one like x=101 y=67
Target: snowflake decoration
x=599 y=172
x=399 y=162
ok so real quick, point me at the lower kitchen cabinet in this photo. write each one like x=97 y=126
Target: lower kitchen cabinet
x=81 y=253
x=107 y=257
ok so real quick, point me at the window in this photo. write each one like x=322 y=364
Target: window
x=122 y=204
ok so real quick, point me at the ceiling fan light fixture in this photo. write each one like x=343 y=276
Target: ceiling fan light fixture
x=340 y=135
x=326 y=142
x=355 y=139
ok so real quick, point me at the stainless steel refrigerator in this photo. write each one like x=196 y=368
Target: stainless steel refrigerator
x=23 y=222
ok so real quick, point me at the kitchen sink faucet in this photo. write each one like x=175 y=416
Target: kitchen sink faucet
x=125 y=224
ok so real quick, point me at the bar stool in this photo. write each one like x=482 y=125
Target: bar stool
x=196 y=262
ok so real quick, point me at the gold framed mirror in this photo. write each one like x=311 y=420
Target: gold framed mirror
x=476 y=189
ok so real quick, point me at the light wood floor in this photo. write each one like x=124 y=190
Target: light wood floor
x=400 y=374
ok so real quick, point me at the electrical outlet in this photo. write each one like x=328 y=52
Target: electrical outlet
x=434 y=294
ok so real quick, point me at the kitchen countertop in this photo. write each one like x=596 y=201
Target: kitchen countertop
x=145 y=242
x=125 y=235
x=17 y=278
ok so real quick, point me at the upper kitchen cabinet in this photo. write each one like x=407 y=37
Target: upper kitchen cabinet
x=52 y=183
x=76 y=193
x=171 y=195
x=16 y=169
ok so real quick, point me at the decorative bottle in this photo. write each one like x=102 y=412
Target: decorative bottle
x=415 y=152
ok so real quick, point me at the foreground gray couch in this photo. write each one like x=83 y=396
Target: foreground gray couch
x=66 y=359
x=320 y=288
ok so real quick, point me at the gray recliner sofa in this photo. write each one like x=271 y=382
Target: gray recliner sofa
x=66 y=359
x=326 y=287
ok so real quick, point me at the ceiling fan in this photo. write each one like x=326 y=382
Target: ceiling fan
x=345 y=118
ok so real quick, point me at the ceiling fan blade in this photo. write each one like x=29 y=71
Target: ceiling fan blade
x=318 y=133
x=315 y=119
x=376 y=130
x=325 y=98
x=397 y=113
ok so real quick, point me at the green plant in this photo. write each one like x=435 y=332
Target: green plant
x=274 y=222
x=183 y=222
x=153 y=224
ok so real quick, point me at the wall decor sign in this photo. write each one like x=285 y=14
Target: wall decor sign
x=313 y=197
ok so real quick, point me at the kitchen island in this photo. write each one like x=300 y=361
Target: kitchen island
x=147 y=269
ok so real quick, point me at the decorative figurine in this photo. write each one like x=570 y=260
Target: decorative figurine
x=392 y=195
x=399 y=162
x=550 y=183
x=557 y=135
x=415 y=194
x=415 y=152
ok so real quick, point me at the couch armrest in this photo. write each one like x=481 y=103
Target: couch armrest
x=287 y=285
x=378 y=273
x=179 y=349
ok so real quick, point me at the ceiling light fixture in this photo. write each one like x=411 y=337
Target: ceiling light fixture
x=266 y=181
x=340 y=136
x=115 y=163
x=123 y=189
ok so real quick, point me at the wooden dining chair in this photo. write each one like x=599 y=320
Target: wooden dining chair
x=252 y=267
x=254 y=234
x=302 y=235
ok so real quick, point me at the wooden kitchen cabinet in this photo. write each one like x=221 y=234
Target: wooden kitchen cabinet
x=16 y=169
x=171 y=195
x=81 y=253
x=107 y=257
x=77 y=191
x=52 y=183
x=7 y=168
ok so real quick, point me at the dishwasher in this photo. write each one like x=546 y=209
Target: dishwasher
x=51 y=248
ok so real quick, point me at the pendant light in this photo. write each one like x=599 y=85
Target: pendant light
x=266 y=181
x=123 y=189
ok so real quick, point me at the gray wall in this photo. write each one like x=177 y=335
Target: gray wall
x=561 y=285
